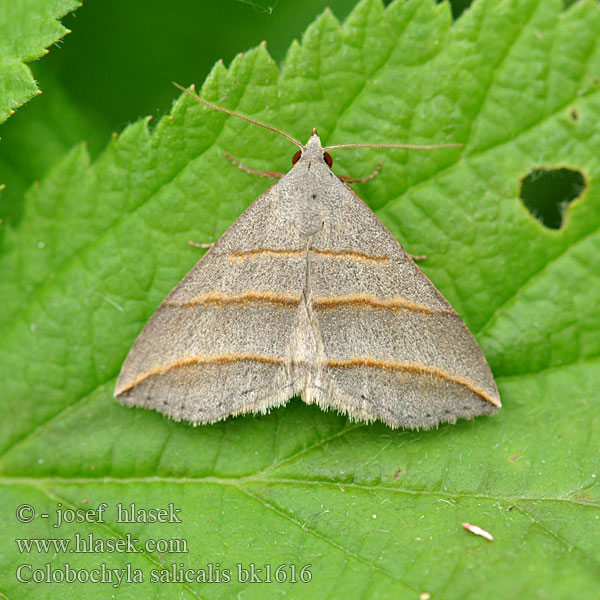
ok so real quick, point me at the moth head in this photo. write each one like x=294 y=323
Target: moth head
x=314 y=145
x=326 y=157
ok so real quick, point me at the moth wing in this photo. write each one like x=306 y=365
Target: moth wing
x=394 y=348
x=217 y=344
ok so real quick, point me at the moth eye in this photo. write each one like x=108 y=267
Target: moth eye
x=327 y=158
x=296 y=157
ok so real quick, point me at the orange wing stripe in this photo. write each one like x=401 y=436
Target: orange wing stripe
x=358 y=361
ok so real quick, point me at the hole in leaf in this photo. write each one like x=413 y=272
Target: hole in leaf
x=546 y=193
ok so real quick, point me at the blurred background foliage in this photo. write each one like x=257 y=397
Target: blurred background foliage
x=122 y=56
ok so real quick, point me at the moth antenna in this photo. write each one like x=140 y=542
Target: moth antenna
x=234 y=114
x=407 y=146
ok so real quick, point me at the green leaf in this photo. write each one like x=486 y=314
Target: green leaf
x=27 y=28
x=375 y=512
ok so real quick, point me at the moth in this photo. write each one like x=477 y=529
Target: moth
x=308 y=293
